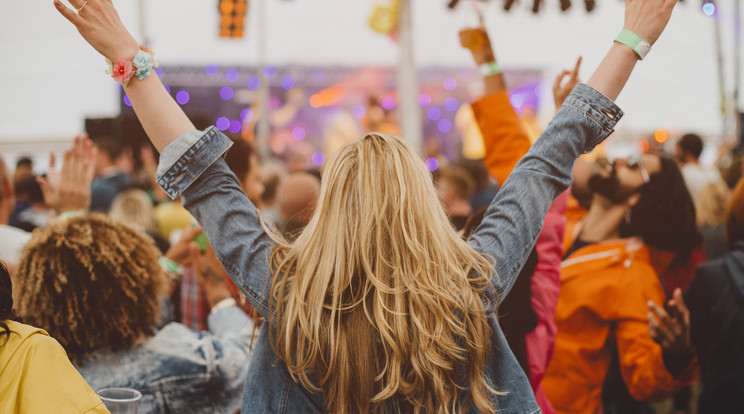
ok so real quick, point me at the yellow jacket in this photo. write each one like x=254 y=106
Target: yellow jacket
x=37 y=377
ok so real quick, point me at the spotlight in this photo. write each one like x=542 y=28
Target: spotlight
x=709 y=8
x=536 y=6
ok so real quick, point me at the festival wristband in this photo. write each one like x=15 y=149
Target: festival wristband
x=490 y=68
x=224 y=303
x=141 y=66
x=635 y=42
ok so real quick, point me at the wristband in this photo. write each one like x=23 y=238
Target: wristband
x=174 y=270
x=224 y=303
x=71 y=214
x=490 y=68
x=635 y=42
x=141 y=66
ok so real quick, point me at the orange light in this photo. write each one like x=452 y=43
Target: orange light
x=327 y=97
x=643 y=146
x=661 y=136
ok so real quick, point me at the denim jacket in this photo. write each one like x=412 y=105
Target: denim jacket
x=180 y=370
x=192 y=167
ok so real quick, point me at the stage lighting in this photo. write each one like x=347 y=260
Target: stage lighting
x=232 y=17
x=709 y=8
x=536 y=6
x=508 y=4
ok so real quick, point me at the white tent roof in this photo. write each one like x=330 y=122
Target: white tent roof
x=50 y=80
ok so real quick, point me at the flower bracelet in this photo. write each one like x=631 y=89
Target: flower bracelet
x=123 y=70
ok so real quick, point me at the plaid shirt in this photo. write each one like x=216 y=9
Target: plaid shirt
x=194 y=306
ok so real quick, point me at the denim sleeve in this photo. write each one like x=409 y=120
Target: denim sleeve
x=192 y=167
x=515 y=217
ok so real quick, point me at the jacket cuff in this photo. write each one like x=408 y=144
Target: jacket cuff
x=186 y=158
x=597 y=106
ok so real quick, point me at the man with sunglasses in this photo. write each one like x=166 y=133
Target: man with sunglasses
x=607 y=279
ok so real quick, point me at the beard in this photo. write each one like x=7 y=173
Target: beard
x=609 y=188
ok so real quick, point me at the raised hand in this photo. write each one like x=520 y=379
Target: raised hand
x=70 y=189
x=648 y=18
x=100 y=25
x=562 y=89
x=671 y=329
x=209 y=274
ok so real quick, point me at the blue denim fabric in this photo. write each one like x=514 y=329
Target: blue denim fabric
x=192 y=167
x=180 y=370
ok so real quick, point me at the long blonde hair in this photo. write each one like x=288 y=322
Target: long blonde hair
x=379 y=303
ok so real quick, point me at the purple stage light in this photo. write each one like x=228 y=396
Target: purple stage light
x=182 y=97
x=318 y=158
x=358 y=112
x=269 y=71
x=450 y=84
x=167 y=88
x=232 y=75
x=451 y=104
x=159 y=71
x=298 y=133
x=222 y=123
x=444 y=125
x=424 y=100
x=235 y=126
x=212 y=69
x=127 y=102
x=432 y=164
x=246 y=115
x=226 y=93
x=388 y=102
x=434 y=113
x=709 y=9
x=288 y=82
x=253 y=82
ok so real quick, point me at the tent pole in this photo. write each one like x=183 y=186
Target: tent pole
x=410 y=116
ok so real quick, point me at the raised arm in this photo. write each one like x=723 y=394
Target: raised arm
x=191 y=163
x=504 y=139
x=100 y=25
x=514 y=219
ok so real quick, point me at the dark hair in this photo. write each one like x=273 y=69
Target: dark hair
x=461 y=180
x=238 y=157
x=109 y=145
x=692 y=144
x=6 y=300
x=29 y=190
x=665 y=214
x=735 y=215
x=24 y=162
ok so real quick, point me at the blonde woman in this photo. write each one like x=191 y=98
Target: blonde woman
x=378 y=306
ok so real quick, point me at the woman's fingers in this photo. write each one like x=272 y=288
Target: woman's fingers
x=69 y=13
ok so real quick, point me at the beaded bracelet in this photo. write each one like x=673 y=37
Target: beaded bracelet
x=141 y=66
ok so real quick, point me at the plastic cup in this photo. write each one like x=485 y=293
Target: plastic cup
x=120 y=400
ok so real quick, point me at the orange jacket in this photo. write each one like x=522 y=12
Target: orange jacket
x=505 y=142
x=605 y=288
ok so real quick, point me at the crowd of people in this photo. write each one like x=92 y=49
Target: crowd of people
x=534 y=280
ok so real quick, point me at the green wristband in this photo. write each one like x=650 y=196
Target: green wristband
x=635 y=42
x=490 y=68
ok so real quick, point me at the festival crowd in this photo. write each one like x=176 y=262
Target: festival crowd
x=541 y=278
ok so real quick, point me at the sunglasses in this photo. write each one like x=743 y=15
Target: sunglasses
x=636 y=162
